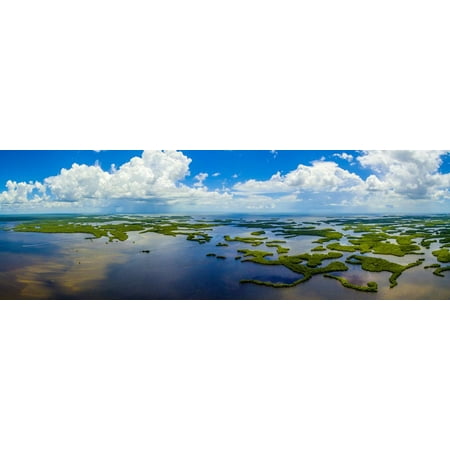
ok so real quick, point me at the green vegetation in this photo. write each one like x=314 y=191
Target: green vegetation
x=257 y=233
x=370 y=287
x=342 y=248
x=118 y=231
x=314 y=260
x=254 y=241
x=308 y=273
x=280 y=249
x=382 y=265
x=211 y=254
x=222 y=244
x=442 y=255
x=432 y=266
x=318 y=249
x=257 y=256
x=439 y=271
x=221 y=257
x=327 y=234
x=377 y=243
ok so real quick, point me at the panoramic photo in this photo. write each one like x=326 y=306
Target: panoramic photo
x=225 y=224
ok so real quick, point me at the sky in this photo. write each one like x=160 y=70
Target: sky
x=225 y=181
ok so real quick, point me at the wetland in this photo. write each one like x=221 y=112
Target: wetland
x=224 y=257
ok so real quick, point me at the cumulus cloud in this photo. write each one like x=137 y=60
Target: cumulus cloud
x=411 y=174
x=201 y=177
x=21 y=192
x=400 y=180
x=344 y=156
x=155 y=176
x=320 y=176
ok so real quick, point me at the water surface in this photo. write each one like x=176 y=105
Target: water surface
x=69 y=266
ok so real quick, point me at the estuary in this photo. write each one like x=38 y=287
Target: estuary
x=224 y=257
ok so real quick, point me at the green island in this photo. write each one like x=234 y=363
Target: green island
x=294 y=263
x=254 y=241
x=442 y=255
x=382 y=265
x=327 y=234
x=307 y=272
x=439 y=270
x=279 y=248
x=371 y=286
x=119 y=231
x=314 y=260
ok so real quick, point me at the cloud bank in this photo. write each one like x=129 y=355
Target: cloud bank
x=156 y=181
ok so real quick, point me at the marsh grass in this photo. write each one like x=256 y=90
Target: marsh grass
x=382 y=265
x=371 y=286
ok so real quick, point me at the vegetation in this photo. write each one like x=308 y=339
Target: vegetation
x=327 y=234
x=371 y=286
x=439 y=271
x=279 y=248
x=254 y=241
x=307 y=272
x=382 y=265
x=257 y=256
x=342 y=248
x=314 y=260
x=104 y=227
x=442 y=255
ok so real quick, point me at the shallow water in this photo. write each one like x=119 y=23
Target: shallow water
x=69 y=266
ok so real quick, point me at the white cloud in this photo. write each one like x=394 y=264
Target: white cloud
x=404 y=180
x=321 y=176
x=344 y=156
x=156 y=176
x=409 y=174
x=21 y=192
x=216 y=174
x=401 y=180
x=201 y=177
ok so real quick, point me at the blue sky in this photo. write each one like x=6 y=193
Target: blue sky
x=221 y=181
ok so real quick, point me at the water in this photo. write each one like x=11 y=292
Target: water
x=68 y=266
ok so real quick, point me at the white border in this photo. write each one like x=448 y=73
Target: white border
x=240 y=75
